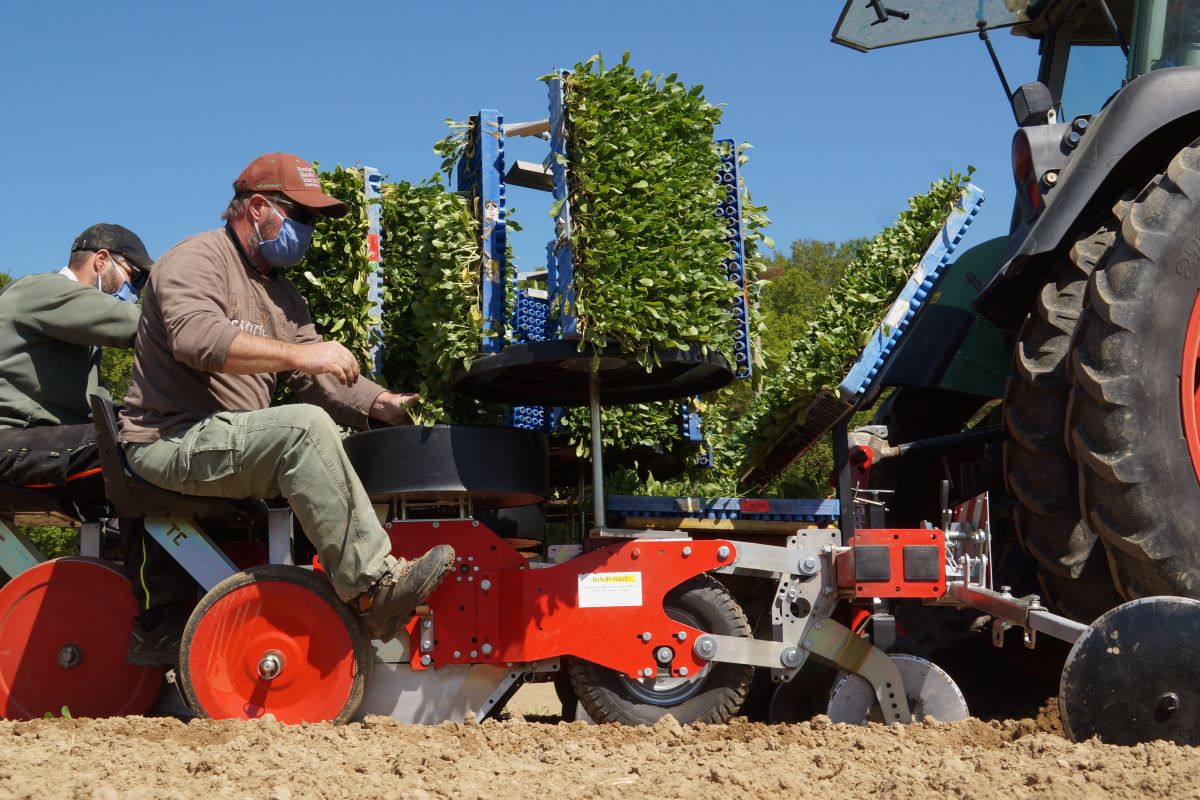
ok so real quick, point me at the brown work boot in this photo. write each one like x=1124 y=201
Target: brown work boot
x=390 y=602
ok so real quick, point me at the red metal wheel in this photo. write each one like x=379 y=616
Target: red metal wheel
x=274 y=640
x=64 y=631
x=1189 y=385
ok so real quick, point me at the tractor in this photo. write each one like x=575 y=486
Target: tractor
x=1094 y=293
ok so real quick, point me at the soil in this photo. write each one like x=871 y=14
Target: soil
x=140 y=757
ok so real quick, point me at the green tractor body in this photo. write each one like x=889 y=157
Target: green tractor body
x=1085 y=318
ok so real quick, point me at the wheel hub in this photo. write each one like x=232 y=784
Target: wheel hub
x=270 y=665
x=659 y=686
x=69 y=656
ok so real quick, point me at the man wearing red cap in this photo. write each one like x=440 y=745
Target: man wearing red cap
x=220 y=325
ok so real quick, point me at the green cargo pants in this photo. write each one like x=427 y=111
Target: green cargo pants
x=294 y=451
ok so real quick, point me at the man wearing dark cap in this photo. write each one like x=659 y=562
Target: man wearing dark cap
x=52 y=327
x=220 y=325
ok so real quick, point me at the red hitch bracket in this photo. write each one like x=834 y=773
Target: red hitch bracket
x=891 y=563
x=605 y=606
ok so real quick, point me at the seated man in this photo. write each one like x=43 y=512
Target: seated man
x=220 y=325
x=52 y=327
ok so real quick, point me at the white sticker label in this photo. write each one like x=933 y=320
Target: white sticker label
x=610 y=589
x=896 y=315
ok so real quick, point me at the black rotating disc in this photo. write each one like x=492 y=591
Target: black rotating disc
x=1134 y=675
x=555 y=373
x=494 y=467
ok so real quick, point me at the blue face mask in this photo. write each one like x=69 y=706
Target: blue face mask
x=127 y=293
x=289 y=245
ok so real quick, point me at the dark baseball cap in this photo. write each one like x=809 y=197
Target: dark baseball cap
x=291 y=176
x=115 y=239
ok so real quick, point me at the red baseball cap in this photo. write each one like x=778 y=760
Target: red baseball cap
x=291 y=176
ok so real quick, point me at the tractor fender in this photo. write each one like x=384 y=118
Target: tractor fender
x=1130 y=141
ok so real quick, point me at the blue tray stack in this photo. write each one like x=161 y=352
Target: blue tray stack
x=862 y=381
x=866 y=377
x=801 y=513
x=481 y=175
x=735 y=265
x=532 y=323
x=481 y=179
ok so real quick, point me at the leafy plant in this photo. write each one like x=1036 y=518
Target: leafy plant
x=647 y=248
x=431 y=322
x=53 y=541
x=335 y=273
x=834 y=336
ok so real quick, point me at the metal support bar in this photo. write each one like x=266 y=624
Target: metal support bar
x=560 y=262
x=17 y=553
x=509 y=685
x=740 y=650
x=1025 y=612
x=845 y=482
x=279 y=535
x=1008 y=94
x=597 y=450
x=837 y=644
x=773 y=560
x=89 y=539
x=539 y=128
x=192 y=548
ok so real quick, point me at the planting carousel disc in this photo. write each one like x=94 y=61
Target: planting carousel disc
x=1134 y=675
x=64 y=631
x=493 y=466
x=274 y=640
x=557 y=372
x=930 y=691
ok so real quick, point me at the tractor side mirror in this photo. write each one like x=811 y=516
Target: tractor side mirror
x=1032 y=103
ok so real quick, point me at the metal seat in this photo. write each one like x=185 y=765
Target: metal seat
x=130 y=496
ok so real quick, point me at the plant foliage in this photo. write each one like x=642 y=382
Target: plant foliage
x=648 y=250
x=834 y=336
x=430 y=259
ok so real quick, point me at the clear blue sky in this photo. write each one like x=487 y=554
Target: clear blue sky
x=143 y=113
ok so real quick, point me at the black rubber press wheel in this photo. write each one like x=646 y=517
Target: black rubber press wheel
x=712 y=696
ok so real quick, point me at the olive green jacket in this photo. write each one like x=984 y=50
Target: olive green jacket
x=51 y=332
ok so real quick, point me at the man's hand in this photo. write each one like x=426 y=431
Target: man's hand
x=320 y=358
x=250 y=355
x=392 y=407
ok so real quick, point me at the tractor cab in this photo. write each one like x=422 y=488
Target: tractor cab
x=1117 y=91
x=1083 y=43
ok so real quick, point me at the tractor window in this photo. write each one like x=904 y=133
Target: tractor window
x=1167 y=34
x=1094 y=74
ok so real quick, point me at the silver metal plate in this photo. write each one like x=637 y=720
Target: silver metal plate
x=930 y=692
x=429 y=696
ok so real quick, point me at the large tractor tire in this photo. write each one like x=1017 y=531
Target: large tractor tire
x=1040 y=474
x=1134 y=401
x=712 y=696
